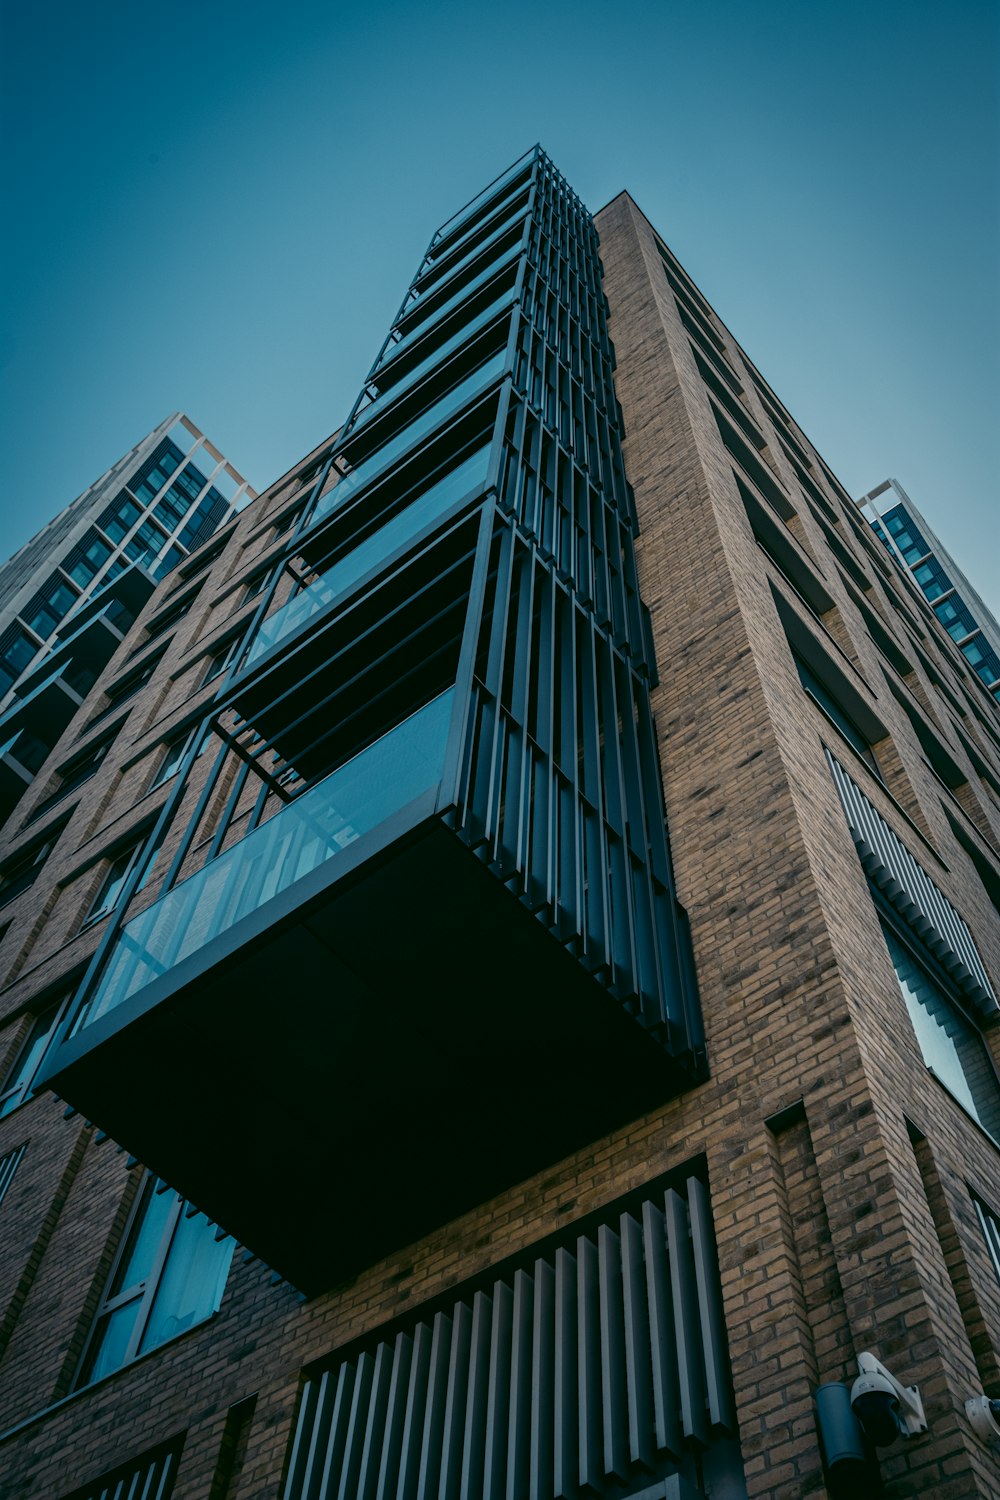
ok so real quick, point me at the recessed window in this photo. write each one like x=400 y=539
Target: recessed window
x=220 y=659
x=169 y=1277
x=113 y=884
x=169 y=617
x=951 y=1045
x=257 y=584
x=24 y=867
x=19 y=1083
x=173 y=755
x=79 y=769
x=990 y=1224
x=127 y=686
x=836 y=713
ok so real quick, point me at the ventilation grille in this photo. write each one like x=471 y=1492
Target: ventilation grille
x=592 y=1370
x=8 y=1166
x=891 y=867
x=150 y=1477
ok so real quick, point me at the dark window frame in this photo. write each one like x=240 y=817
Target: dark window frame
x=927 y=965
x=17 y=1087
x=36 y=852
x=146 y=1289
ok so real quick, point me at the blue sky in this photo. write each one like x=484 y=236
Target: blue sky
x=218 y=208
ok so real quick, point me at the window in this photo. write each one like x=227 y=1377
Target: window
x=220 y=659
x=285 y=523
x=990 y=1223
x=168 y=617
x=174 y=754
x=951 y=1046
x=18 y=1085
x=204 y=556
x=122 y=519
x=108 y=896
x=75 y=772
x=24 y=867
x=257 y=584
x=170 y=1276
x=88 y=559
x=18 y=651
x=126 y=687
x=50 y=607
x=837 y=715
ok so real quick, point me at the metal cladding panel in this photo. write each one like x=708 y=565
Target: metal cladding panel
x=150 y=1477
x=893 y=870
x=8 y=1166
x=591 y=1369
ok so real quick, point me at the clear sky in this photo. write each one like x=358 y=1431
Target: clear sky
x=218 y=207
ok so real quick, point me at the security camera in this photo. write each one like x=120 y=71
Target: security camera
x=876 y=1406
x=883 y=1406
x=984 y=1415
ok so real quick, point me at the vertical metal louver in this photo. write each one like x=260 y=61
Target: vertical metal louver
x=891 y=867
x=8 y=1166
x=150 y=1477
x=592 y=1369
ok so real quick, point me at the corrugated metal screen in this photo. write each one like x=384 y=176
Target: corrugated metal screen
x=150 y=1477
x=591 y=1369
x=891 y=867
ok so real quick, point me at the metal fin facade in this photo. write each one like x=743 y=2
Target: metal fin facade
x=595 y=1369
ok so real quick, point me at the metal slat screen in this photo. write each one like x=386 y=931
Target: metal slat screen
x=150 y=1477
x=593 y=1369
x=8 y=1166
x=891 y=867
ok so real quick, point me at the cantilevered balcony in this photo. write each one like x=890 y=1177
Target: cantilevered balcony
x=345 y=1030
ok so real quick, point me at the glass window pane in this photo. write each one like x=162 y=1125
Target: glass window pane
x=192 y=1282
x=111 y=1341
x=27 y=1064
x=951 y=1047
x=145 y=1238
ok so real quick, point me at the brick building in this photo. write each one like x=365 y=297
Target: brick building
x=429 y=1121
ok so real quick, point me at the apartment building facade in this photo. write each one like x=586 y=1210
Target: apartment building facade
x=518 y=978
x=68 y=596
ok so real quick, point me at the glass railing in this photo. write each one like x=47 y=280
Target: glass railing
x=420 y=427
x=435 y=276
x=440 y=353
x=479 y=230
x=335 y=581
x=422 y=324
x=475 y=205
x=316 y=827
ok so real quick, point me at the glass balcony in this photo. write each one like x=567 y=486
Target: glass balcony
x=335 y=581
x=439 y=272
x=422 y=426
x=418 y=320
x=432 y=360
x=449 y=231
x=315 y=828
